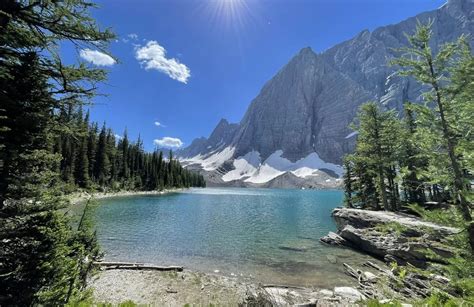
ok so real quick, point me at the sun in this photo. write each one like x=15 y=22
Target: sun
x=230 y=13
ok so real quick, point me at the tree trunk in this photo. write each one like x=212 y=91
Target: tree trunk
x=383 y=192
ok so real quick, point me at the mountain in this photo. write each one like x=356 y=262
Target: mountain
x=296 y=131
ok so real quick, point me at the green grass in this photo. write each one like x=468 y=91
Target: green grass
x=392 y=227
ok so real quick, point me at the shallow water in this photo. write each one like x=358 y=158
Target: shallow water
x=271 y=236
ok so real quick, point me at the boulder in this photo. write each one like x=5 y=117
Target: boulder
x=367 y=240
x=333 y=238
x=349 y=293
x=369 y=276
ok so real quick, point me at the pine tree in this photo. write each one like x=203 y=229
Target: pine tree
x=445 y=103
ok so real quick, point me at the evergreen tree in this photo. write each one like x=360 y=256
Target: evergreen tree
x=348 y=182
x=82 y=160
x=412 y=162
x=102 y=162
x=375 y=149
x=92 y=148
x=446 y=106
x=39 y=255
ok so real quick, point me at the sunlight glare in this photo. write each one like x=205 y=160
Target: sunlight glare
x=230 y=13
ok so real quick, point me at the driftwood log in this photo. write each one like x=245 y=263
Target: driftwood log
x=135 y=266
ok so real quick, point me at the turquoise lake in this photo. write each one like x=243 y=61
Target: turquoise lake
x=265 y=235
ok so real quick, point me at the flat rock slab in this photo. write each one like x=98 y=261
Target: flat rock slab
x=367 y=218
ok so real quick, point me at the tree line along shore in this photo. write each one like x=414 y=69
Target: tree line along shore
x=48 y=149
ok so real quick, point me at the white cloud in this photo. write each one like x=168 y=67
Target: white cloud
x=153 y=56
x=118 y=137
x=133 y=36
x=168 y=142
x=96 y=57
x=158 y=124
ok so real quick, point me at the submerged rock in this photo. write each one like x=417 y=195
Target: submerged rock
x=293 y=249
x=331 y=258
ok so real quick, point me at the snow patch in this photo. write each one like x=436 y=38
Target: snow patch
x=250 y=169
x=212 y=161
x=264 y=174
x=244 y=166
x=304 y=172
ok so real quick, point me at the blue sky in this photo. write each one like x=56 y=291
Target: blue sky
x=189 y=63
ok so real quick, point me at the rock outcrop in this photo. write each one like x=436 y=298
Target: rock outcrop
x=306 y=108
x=392 y=237
x=368 y=218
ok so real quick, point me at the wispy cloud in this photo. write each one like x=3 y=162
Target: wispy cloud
x=168 y=142
x=96 y=57
x=153 y=56
x=133 y=36
x=158 y=124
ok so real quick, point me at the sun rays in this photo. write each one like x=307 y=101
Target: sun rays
x=230 y=14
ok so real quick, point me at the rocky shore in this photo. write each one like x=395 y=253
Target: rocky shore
x=399 y=240
x=391 y=237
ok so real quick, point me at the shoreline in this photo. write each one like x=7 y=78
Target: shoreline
x=191 y=286
x=78 y=197
x=173 y=288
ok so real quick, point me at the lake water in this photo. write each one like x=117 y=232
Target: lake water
x=266 y=235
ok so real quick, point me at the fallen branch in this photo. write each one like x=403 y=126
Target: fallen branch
x=351 y=271
x=373 y=265
x=136 y=266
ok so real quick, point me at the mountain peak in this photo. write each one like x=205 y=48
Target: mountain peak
x=306 y=50
x=223 y=122
x=306 y=108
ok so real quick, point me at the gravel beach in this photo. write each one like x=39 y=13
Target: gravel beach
x=166 y=288
x=171 y=288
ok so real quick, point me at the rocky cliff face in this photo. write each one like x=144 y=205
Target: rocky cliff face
x=299 y=120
